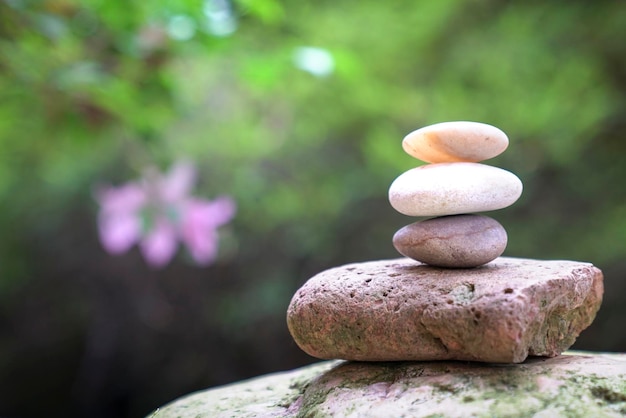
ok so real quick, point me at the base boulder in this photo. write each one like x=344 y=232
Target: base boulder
x=401 y=310
x=572 y=385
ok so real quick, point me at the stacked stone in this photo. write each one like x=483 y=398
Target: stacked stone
x=443 y=308
x=450 y=189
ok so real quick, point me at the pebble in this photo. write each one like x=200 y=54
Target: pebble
x=453 y=188
x=457 y=241
x=392 y=310
x=455 y=141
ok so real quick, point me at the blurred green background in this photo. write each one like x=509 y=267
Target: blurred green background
x=307 y=142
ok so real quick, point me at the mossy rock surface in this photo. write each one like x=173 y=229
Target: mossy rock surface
x=576 y=384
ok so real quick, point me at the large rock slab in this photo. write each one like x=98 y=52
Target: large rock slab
x=400 y=309
x=572 y=385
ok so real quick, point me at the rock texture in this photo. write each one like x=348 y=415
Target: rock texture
x=403 y=310
x=572 y=385
x=456 y=241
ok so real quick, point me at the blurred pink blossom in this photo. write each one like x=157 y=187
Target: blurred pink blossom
x=157 y=212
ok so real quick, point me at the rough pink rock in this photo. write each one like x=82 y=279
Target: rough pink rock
x=399 y=309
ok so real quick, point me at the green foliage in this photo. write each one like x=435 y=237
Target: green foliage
x=94 y=91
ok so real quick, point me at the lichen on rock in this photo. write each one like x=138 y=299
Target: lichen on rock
x=573 y=385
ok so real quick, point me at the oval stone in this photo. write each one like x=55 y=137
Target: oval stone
x=453 y=189
x=457 y=241
x=455 y=141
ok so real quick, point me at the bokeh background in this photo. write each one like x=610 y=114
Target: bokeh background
x=296 y=110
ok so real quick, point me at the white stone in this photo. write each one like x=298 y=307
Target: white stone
x=455 y=141
x=453 y=189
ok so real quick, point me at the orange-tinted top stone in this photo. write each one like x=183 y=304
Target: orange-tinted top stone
x=455 y=141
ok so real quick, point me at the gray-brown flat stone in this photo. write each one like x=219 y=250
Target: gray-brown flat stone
x=400 y=309
x=574 y=385
x=456 y=241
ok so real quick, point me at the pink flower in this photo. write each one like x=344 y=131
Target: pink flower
x=159 y=211
x=118 y=223
x=199 y=227
x=158 y=245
